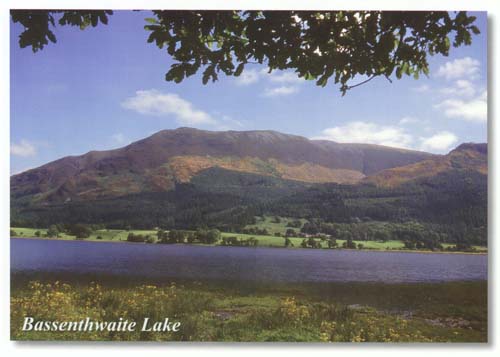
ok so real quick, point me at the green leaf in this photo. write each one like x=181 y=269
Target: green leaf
x=322 y=81
x=51 y=36
x=239 y=69
x=309 y=77
x=399 y=72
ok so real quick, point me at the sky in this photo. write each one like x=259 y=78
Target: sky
x=104 y=87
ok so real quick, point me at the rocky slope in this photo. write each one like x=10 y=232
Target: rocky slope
x=157 y=162
x=468 y=156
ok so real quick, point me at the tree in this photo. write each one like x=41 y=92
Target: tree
x=208 y=236
x=381 y=236
x=37 y=30
x=288 y=242
x=332 y=243
x=349 y=244
x=52 y=231
x=213 y=236
x=310 y=228
x=79 y=230
x=252 y=241
x=136 y=238
x=296 y=223
x=176 y=236
x=162 y=236
x=317 y=45
x=311 y=242
x=190 y=237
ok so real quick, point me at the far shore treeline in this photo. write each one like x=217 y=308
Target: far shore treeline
x=274 y=231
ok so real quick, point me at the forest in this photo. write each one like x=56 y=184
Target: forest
x=449 y=207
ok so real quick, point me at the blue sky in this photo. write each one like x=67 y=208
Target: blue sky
x=104 y=87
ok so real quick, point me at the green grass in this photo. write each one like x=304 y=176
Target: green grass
x=267 y=222
x=478 y=248
x=272 y=241
x=116 y=235
x=211 y=311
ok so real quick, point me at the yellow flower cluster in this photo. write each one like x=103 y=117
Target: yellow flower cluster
x=62 y=302
x=43 y=300
x=292 y=311
x=370 y=329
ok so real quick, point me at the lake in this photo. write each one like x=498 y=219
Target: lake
x=157 y=261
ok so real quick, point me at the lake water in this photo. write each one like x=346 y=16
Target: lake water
x=241 y=263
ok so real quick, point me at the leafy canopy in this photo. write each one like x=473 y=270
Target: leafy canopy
x=317 y=45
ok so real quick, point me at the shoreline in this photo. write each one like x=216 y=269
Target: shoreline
x=261 y=246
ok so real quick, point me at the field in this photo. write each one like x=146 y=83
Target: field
x=116 y=235
x=269 y=223
x=212 y=311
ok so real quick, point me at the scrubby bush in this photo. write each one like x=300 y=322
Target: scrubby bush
x=53 y=231
x=136 y=238
x=80 y=231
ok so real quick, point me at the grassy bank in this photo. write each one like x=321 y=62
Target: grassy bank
x=116 y=235
x=359 y=312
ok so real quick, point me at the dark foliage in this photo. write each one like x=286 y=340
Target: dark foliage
x=451 y=204
x=317 y=45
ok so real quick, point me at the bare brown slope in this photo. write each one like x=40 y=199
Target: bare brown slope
x=467 y=156
x=140 y=166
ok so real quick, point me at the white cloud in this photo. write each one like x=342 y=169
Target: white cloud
x=285 y=77
x=459 y=68
x=440 y=142
x=247 y=77
x=153 y=102
x=461 y=87
x=288 y=80
x=370 y=133
x=283 y=90
x=475 y=109
x=251 y=76
x=24 y=149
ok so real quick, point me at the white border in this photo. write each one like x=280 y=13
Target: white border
x=133 y=349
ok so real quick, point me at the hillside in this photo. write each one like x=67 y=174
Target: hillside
x=177 y=186
x=468 y=156
x=159 y=162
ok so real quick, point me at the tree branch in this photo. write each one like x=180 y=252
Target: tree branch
x=361 y=83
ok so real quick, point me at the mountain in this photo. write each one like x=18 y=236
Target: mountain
x=188 y=178
x=466 y=157
x=170 y=157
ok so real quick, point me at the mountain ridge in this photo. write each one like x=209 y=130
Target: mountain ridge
x=188 y=179
x=466 y=156
x=158 y=161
